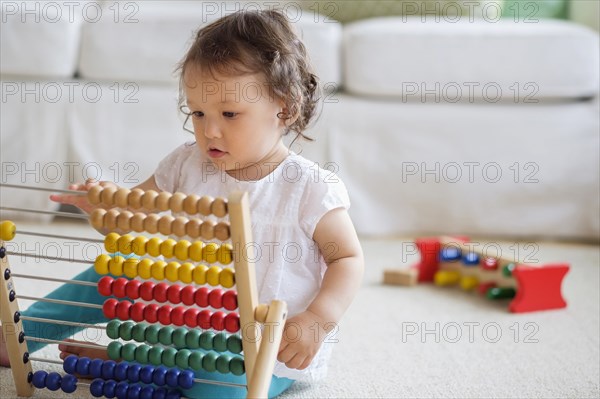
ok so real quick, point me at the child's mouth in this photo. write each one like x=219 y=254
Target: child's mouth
x=215 y=153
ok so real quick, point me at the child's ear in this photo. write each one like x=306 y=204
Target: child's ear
x=288 y=116
x=286 y=119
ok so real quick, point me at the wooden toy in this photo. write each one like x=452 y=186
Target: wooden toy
x=198 y=313
x=449 y=261
x=406 y=276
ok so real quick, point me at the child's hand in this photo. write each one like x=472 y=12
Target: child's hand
x=66 y=350
x=302 y=338
x=80 y=201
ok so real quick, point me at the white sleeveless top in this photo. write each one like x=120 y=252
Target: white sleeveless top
x=285 y=208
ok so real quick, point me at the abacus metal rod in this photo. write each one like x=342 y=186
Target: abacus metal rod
x=57 y=280
x=69 y=343
x=43 y=360
x=61 y=302
x=56 y=213
x=48 y=257
x=50 y=190
x=198 y=380
x=30 y=233
x=62 y=322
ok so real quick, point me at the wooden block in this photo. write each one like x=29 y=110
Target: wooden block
x=406 y=276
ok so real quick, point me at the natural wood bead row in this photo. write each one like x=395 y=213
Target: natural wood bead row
x=113 y=219
x=157 y=202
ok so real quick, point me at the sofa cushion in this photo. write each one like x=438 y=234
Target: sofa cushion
x=40 y=39
x=468 y=61
x=150 y=47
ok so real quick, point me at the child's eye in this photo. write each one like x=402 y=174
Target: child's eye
x=229 y=114
x=197 y=114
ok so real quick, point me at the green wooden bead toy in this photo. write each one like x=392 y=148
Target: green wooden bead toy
x=141 y=354
x=152 y=334
x=155 y=355
x=112 y=329
x=125 y=330
x=139 y=332
x=128 y=352
x=236 y=365
x=234 y=344
x=179 y=337
x=114 y=350
x=222 y=364
x=168 y=357
x=192 y=339
x=182 y=359
x=206 y=340
x=165 y=335
x=220 y=342
x=195 y=360
x=209 y=361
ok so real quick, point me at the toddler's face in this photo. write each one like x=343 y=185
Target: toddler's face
x=235 y=122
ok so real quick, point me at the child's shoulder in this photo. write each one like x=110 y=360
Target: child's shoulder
x=311 y=172
x=321 y=188
x=318 y=182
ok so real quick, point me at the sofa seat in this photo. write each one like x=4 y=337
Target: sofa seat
x=514 y=170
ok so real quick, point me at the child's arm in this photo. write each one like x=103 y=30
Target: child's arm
x=338 y=242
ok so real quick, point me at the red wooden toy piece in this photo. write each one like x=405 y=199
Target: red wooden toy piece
x=539 y=288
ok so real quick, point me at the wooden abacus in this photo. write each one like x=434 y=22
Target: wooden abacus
x=214 y=331
x=448 y=261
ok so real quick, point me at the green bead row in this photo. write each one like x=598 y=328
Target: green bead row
x=508 y=269
x=171 y=357
x=501 y=293
x=179 y=337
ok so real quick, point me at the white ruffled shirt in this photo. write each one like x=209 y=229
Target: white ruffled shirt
x=285 y=208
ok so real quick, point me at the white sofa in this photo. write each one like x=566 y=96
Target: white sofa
x=471 y=126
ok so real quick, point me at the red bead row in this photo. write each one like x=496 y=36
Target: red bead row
x=163 y=292
x=167 y=315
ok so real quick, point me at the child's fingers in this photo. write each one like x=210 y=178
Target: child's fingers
x=66 y=350
x=287 y=354
x=296 y=361
x=66 y=199
x=306 y=363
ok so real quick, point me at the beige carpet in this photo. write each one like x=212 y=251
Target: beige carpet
x=479 y=350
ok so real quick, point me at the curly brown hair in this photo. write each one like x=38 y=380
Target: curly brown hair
x=248 y=42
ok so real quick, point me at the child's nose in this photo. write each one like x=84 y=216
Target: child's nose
x=212 y=130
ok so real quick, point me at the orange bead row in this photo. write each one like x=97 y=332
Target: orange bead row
x=139 y=222
x=157 y=202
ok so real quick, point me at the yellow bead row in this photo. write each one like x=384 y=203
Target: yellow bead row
x=169 y=248
x=157 y=202
x=180 y=226
x=160 y=270
x=452 y=277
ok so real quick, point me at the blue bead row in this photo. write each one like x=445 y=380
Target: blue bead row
x=453 y=254
x=54 y=381
x=123 y=390
x=123 y=371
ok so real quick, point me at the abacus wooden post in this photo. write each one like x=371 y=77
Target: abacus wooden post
x=11 y=331
x=243 y=257
x=258 y=384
